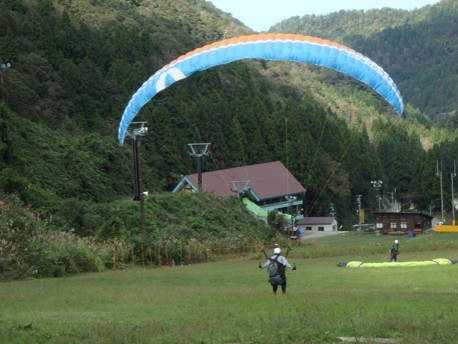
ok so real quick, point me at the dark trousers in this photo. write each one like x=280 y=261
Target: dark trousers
x=283 y=285
x=394 y=255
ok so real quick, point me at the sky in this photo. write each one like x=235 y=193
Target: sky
x=260 y=15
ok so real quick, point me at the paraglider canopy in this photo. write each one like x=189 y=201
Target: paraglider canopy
x=434 y=262
x=288 y=47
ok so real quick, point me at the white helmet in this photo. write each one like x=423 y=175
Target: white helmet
x=396 y=241
x=277 y=250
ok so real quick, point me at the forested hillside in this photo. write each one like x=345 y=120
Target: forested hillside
x=75 y=64
x=420 y=48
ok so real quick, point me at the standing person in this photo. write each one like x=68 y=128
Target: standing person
x=394 y=251
x=277 y=270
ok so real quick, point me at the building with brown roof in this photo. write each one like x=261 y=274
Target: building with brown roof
x=269 y=185
x=402 y=223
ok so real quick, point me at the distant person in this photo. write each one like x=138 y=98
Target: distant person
x=277 y=265
x=394 y=251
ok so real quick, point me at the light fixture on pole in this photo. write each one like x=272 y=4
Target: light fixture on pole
x=3 y=68
x=241 y=187
x=291 y=200
x=135 y=133
x=377 y=184
x=198 y=150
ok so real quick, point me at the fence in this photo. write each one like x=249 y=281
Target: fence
x=181 y=253
x=167 y=254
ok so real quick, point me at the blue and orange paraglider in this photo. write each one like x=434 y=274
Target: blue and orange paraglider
x=268 y=47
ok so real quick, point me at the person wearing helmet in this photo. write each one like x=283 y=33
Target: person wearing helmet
x=280 y=262
x=394 y=251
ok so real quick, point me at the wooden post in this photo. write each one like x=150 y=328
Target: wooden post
x=150 y=255
x=159 y=260
x=433 y=244
x=143 y=257
x=122 y=256
x=166 y=255
x=133 y=257
x=114 y=258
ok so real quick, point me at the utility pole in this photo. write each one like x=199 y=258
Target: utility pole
x=291 y=200
x=439 y=174
x=453 y=175
x=393 y=200
x=139 y=130
x=377 y=184
x=358 y=200
x=198 y=150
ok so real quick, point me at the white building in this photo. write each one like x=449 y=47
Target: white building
x=321 y=224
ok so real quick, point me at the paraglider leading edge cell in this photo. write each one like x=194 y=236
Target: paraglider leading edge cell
x=286 y=47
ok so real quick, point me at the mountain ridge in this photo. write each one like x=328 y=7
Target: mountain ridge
x=394 y=40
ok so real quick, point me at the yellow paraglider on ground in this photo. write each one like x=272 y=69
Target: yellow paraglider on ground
x=437 y=261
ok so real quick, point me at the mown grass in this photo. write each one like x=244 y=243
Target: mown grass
x=353 y=244
x=230 y=301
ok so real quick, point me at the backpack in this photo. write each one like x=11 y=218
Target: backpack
x=274 y=272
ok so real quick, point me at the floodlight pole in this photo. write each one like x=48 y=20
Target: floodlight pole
x=439 y=174
x=358 y=200
x=198 y=150
x=135 y=134
x=377 y=184
x=453 y=175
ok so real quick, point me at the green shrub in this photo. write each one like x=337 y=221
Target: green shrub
x=28 y=248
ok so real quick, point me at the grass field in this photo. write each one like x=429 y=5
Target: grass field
x=230 y=301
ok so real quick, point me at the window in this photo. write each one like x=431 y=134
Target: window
x=321 y=229
x=404 y=225
x=379 y=225
x=393 y=225
x=308 y=228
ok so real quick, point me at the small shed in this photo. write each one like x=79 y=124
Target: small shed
x=402 y=223
x=321 y=224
